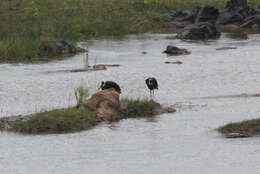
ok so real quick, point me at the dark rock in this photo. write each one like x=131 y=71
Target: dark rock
x=177 y=62
x=250 y=21
x=235 y=13
x=253 y=11
x=208 y=14
x=172 y=50
x=202 y=31
x=227 y=17
x=169 y=16
x=66 y=48
x=170 y=109
x=237 y=5
x=188 y=15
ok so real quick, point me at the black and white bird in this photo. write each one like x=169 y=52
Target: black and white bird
x=152 y=84
x=110 y=84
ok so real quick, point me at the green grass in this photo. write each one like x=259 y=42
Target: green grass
x=27 y=49
x=140 y=108
x=80 y=94
x=27 y=27
x=2 y=127
x=74 y=120
x=56 y=121
x=248 y=127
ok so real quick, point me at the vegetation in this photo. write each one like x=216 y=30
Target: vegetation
x=56 y=121
x=73 y=119
x=140 y=108
x=248 y=127
x=80 y=94
x=28 y=27
x=2 y=126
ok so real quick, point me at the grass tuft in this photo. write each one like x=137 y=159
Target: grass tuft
x=140 y=108
x=56 y=121
x=81 y=93
x=247 y=127
x=2 y=126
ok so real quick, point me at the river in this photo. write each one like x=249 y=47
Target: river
x=182 y=142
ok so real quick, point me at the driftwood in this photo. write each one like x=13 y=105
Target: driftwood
x=226 y=48
x=97 y=67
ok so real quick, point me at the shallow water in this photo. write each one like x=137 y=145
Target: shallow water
x=183 y=142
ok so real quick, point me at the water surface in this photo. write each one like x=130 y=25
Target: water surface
x=183 y=142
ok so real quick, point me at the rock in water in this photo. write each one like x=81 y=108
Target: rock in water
x=202 y=31
x=104 y=103
x=172 y=50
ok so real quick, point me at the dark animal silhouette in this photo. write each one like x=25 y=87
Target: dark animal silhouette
x=152 y=84
x=110 y=84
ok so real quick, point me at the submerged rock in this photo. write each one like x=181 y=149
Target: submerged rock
x=177 y=62
x=226 y=48
x=202 y=31
x=172 y=50
x=236 y=135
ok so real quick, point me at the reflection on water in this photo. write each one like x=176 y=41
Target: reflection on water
x=184 y=142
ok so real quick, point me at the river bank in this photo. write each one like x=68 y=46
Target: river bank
x=29 y=27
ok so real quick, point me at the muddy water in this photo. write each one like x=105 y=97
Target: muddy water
x=184 y=142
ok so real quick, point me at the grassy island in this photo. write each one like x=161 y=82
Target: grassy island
x=28 y=27
x=245 y=128
x=56 y=121
x=73 y=119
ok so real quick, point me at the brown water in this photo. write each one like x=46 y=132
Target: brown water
x=183 y=142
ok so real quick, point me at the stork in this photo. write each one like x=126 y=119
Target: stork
x=152 y=84
x=110 y=84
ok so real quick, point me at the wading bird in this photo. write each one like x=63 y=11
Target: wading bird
x=110 y=84
x=152 y=84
